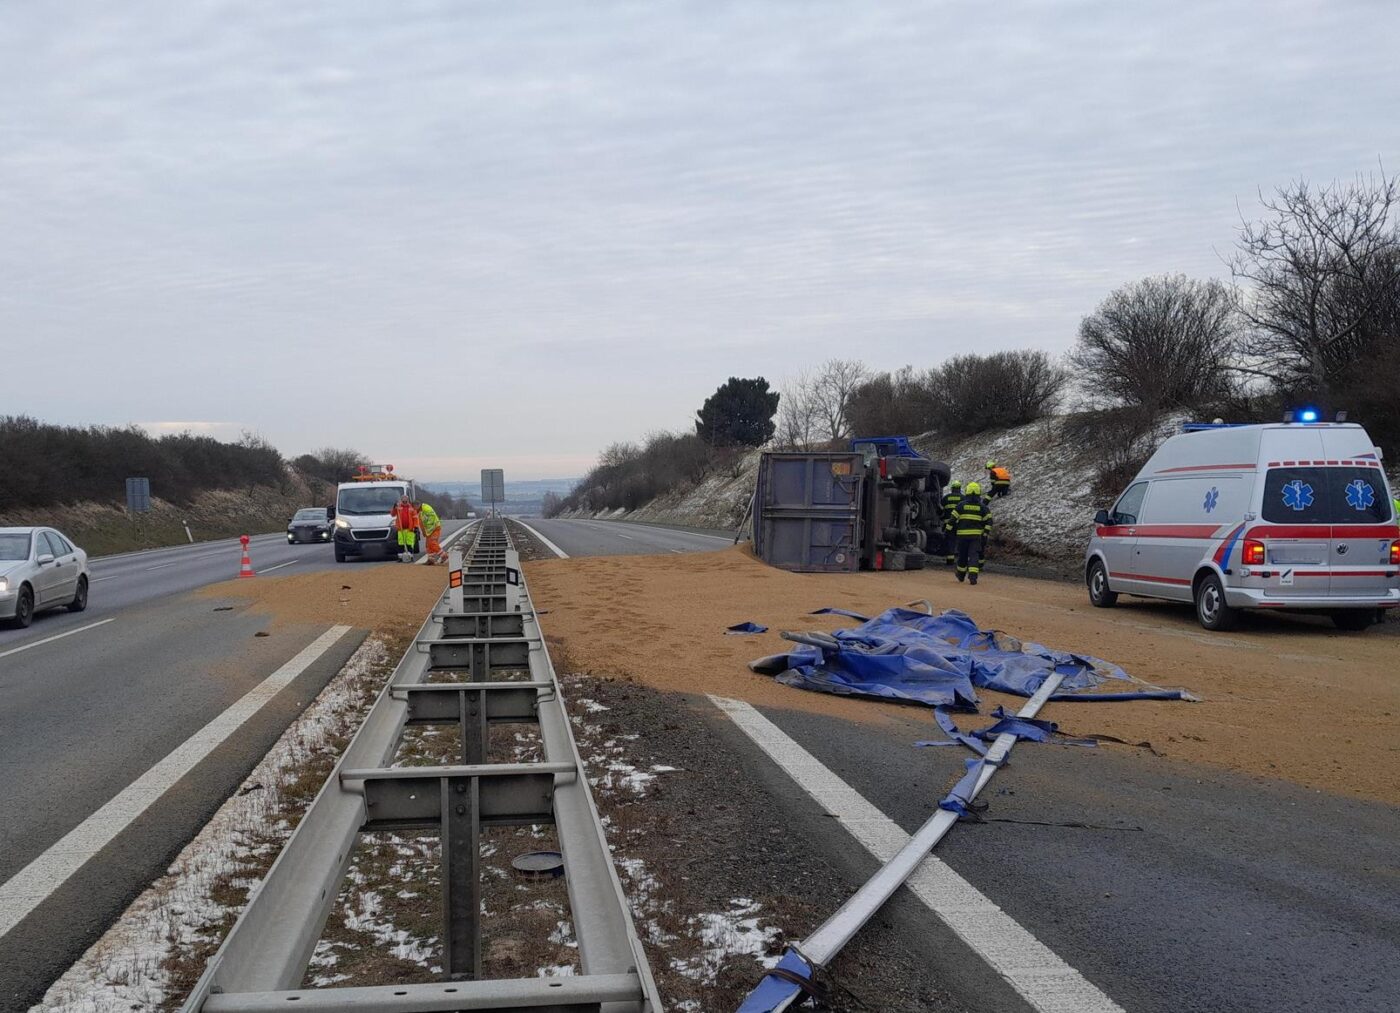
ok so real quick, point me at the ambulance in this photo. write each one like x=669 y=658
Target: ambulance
x=1292 y=516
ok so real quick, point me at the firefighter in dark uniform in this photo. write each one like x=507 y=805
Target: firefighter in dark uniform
x=972 y=524
x=949 y=503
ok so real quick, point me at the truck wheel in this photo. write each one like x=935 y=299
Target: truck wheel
x=1353 y=620
x=914 y=560
x=1211 y=610
x=907 y=467
x=944 y=473
x=1100 y=594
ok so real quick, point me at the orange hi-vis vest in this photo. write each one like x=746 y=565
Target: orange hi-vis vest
x=406 y=517
x=1000 y=474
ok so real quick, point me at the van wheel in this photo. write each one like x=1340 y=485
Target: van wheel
x=1100 y=594
x=339 y=556
x=1353 y=620
x=1211 y=609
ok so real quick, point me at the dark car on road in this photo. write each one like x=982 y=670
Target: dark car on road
x=311 y=524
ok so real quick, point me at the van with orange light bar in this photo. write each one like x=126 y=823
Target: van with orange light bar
x=1293 y=515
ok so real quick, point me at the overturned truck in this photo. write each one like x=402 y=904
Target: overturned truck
x=876 y=506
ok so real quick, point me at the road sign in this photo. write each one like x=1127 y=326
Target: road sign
x=493 y=486
x=138 y=495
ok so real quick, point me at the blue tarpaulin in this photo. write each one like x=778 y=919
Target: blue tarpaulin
x=939 y=660
x=746 y=627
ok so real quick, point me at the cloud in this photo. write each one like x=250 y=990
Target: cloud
x=454 y=228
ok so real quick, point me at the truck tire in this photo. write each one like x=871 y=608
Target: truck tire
x=944 y=473
x=914 y=560
x=906 y=467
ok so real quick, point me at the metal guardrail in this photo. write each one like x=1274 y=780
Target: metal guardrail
x=484 y=626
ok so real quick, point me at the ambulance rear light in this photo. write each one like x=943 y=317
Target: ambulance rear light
x=1395 y=553
x=1253 y=553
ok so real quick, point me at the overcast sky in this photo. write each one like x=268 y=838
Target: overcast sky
x=465 y=234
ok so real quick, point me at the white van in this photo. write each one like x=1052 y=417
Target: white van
x=363 y=521
x=1284 y=516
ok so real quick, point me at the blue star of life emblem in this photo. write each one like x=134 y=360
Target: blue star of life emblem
x=1212 y=498
x=1297 y=495
x=1360 y=495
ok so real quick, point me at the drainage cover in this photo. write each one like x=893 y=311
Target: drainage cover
x=544 y=864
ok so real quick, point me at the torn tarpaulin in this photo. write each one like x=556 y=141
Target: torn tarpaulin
x=937 y=660
x=792 y=977
x=746 y=627
x=1026 y=729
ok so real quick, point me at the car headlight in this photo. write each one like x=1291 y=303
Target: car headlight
x=4 y=584
x=341 y=522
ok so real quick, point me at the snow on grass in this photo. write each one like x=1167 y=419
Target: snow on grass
x=724 y=934
x=126 y=970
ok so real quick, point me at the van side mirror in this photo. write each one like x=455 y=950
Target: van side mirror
x=1102 y=517
x=330 y=512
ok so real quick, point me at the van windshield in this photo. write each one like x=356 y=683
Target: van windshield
x=1325 y=496
x=372 y=499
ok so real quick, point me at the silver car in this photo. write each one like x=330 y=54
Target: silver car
x=40 y=569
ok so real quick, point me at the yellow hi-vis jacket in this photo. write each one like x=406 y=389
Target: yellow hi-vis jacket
x=429 y=517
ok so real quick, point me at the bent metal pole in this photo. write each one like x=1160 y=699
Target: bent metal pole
x=779 y=991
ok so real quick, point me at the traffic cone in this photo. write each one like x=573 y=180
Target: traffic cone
x=245 y=569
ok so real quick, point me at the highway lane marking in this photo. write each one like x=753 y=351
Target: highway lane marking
x=545 y=541
x=269 y=569
x=33 y=884
x=57 y=636
x=621 y=535
x=1029 y=966
x=162 y=566
x=681 y=551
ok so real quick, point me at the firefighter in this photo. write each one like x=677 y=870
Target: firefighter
x=949 y=503
x=1000 y=479
x=406 y=523
x=973 y=522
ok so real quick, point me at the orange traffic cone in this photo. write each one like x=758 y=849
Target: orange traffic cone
x=245 y=569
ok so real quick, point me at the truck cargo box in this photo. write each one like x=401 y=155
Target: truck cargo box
x=807 y=511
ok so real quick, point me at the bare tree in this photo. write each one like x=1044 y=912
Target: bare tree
x=1166 y=341
x=832 y=389
x=974 y=393
x=1318 y=265
x=798 y=422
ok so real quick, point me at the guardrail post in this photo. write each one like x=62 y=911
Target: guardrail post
x=461 y=877
x=454 y=581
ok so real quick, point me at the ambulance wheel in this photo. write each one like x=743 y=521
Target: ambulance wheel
x=1353 y=620
x=1211 y=610
x=1100 y=594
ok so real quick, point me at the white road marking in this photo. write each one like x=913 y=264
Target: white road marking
x=545 y=541
x=94 y=580
x=681 y=551
x=1028 y=965
x=162 y=566
x=269 y=569
x=57 y=636
x=29 y=887
x=621 y=535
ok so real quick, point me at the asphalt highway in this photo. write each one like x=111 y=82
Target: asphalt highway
x=614 y=538
x=135 y=577
x=89 y=703
x=1170 y=887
